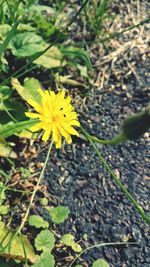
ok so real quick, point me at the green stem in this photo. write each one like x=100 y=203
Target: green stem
x=34 y=192
x=117 y=140
x=125 y=191
x=115 y=34
x=9 y=114
x=98 y=246
x=17 y=190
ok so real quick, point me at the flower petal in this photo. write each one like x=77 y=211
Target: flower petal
x=55 y=133
x=32 y=115
x=71 y=130
x=64 y=134
x=37 y=127
x=58 y=144
x=75 y=123
x=46 y=134
x=35 y=105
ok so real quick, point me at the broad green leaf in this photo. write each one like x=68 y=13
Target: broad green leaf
x=2 y=225
x=4 y=29
x=78 y=265
x=26 y=44
x=45 y=240
x=6 y=150
x=28 y=134
x=38 y=222
x=76 y=247
x=100 y=263
x=59 y=214
x=44 y=201
x=12 y=128
x=15 y=251
x=44 y=260
x=29 y=90
x=52 y=58
x=39 y=9
x=4 y=209
x=9 y=37
x=68 y=240
x=25 y=27
x=5 y=92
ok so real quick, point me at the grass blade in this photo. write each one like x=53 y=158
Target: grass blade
x=8 y=38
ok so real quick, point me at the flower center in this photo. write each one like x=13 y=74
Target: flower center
x=55 y=118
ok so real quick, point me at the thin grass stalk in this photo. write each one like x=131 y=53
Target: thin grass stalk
x=9 y=37
x=100 y=245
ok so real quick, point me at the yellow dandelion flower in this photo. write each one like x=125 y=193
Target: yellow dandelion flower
x=56 y=116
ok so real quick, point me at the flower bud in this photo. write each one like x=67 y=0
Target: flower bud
x=136 y=125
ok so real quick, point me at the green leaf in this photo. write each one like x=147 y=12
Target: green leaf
x=100 y=263
x=5 y=92
x=12 y=128
x=44 y=201
x=68 y=240
x=11 y=263
x=83 y=70
x=2 y=190
x=59 y=214
x=67 y=80
x=25 y=27
x=76 y=247
x=38 y=222
x=44 y=260
x=77 y=53
x=4 y=209
x=25 y=173
x=15 y=251
x=9 y=37
x=29 y=90
x=26 y=44
x=52 y=58
x=45 y=240
x=136 y=125
x=14 y=106
x=78 y=265
x=4 y=29
x=40 y=9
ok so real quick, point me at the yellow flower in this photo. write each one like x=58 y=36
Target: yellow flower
x=56 y=116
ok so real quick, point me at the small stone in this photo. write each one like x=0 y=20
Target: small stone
x=136 y=234
x=146 y=178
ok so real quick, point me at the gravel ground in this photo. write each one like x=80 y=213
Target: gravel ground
x=75 y=176
x=99 y=211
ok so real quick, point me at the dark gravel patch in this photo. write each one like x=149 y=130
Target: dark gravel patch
x=99 y=210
